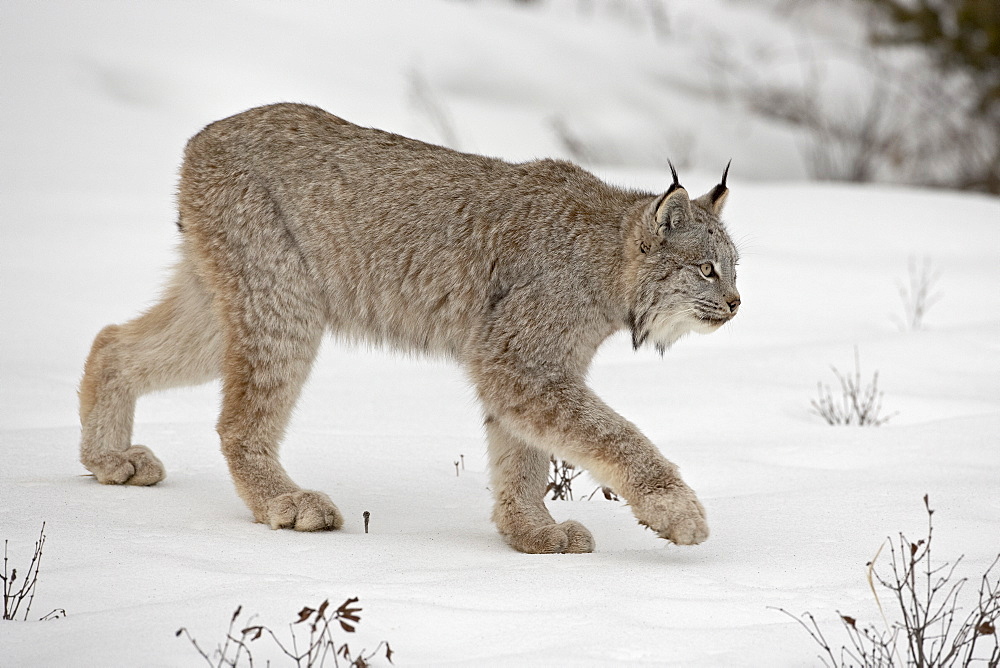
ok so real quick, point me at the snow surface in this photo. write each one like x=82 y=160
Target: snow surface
x=98 y=99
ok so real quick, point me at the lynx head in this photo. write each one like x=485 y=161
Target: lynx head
x=684 y=267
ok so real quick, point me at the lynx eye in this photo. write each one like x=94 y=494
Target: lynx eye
x=707 y=270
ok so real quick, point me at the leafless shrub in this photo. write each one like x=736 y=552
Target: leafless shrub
x=848 y=144
x=561 y=477
x=960 y=41
x=858 y=404
x=918 y=296
x=14 y=595
x=310 y=649
x=931 y=630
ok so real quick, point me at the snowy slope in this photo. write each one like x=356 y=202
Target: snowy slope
x=97 y=101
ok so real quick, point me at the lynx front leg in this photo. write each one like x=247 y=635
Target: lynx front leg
x=520 y=476
x=562 y=415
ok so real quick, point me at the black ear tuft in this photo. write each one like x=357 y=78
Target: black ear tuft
x=719 y=191
x=715 y=198
x=671 y=209
x=676 y=184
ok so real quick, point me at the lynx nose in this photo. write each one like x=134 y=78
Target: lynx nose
x=734 y=304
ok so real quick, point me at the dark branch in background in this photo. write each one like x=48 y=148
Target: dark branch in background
x=962 y=38
x=931 y=114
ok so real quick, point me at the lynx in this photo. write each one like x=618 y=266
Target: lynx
x=294 y=222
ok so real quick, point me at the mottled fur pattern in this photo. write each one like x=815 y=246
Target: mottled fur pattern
x=295 y=223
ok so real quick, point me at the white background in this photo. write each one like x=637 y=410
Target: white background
x=96 y=101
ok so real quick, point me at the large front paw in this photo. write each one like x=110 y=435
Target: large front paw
x=135 y=466
x=674 y=513
x=303 y=511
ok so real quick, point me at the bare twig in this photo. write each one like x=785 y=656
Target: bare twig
x=815 y=632
x=607 y=492
x=14 y=595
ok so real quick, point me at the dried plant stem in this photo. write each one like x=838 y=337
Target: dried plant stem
x=561 y=477
x=858 y=404
x=919 y=295
x=14 y=595
x=309 y=650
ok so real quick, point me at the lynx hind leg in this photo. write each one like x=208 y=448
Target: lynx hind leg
x=274 y=322
x=175 y=343
x=520 y=478
x=264 y=370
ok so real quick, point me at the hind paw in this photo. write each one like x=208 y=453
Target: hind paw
x=569 y=536
x=303 y=511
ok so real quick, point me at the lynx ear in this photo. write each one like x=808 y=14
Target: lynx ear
x=715 y=199
x=672 y=209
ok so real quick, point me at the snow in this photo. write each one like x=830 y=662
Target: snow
x=98 y=101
